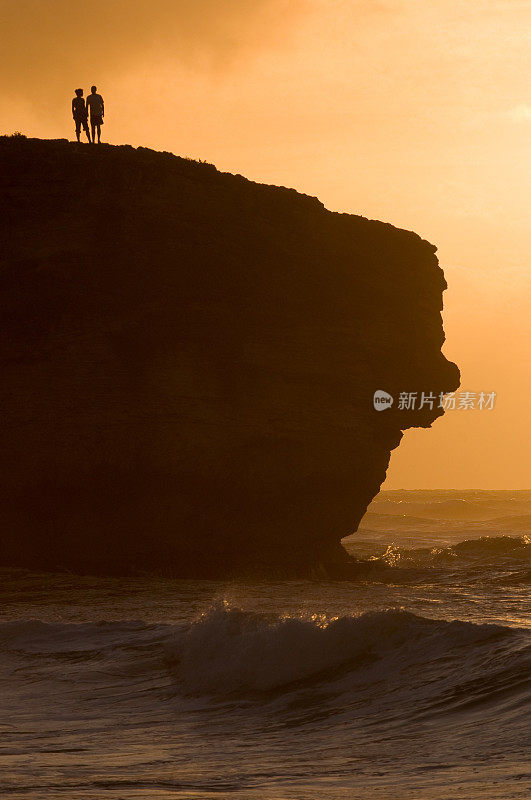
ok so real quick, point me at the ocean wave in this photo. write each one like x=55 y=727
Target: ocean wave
x=519 y=546
x=379 y=665
x=489 y=552
x=230 y=650
x=35 y=637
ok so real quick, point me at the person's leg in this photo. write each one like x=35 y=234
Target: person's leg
x=87 y=131
x=78 y=129
x=92 y=125
x=99 y=134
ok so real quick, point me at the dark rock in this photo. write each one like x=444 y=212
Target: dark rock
x=189 y=361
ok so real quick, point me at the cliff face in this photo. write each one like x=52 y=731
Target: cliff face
x=189 y=361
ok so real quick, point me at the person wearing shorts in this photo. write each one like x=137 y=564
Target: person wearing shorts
x=79 y=113
x=97 y=111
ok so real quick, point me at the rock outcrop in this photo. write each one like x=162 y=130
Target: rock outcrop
x=189 y=361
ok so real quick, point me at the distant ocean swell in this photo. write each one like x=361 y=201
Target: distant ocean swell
x=493 y=558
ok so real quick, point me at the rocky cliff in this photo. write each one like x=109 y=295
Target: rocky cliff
x=189 y=361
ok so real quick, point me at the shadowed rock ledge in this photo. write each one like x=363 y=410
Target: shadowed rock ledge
x=189 y=361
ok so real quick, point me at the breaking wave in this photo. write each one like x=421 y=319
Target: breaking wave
x=229 y=649
x=383 y=668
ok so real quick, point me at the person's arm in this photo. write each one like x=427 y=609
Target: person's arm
x=72 y=107
x=102 y=108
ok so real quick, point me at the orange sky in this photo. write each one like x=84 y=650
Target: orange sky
x=417 y=112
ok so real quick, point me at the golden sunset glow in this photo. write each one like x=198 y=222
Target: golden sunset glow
x=415 y=113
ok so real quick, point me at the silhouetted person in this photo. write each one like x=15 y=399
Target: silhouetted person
x=97 y=111
x=80 y=114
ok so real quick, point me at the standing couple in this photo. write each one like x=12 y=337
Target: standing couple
x=80 y=112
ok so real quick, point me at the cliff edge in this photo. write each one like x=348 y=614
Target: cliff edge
x=189 y=361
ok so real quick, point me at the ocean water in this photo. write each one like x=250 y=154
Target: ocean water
x=410 y=682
